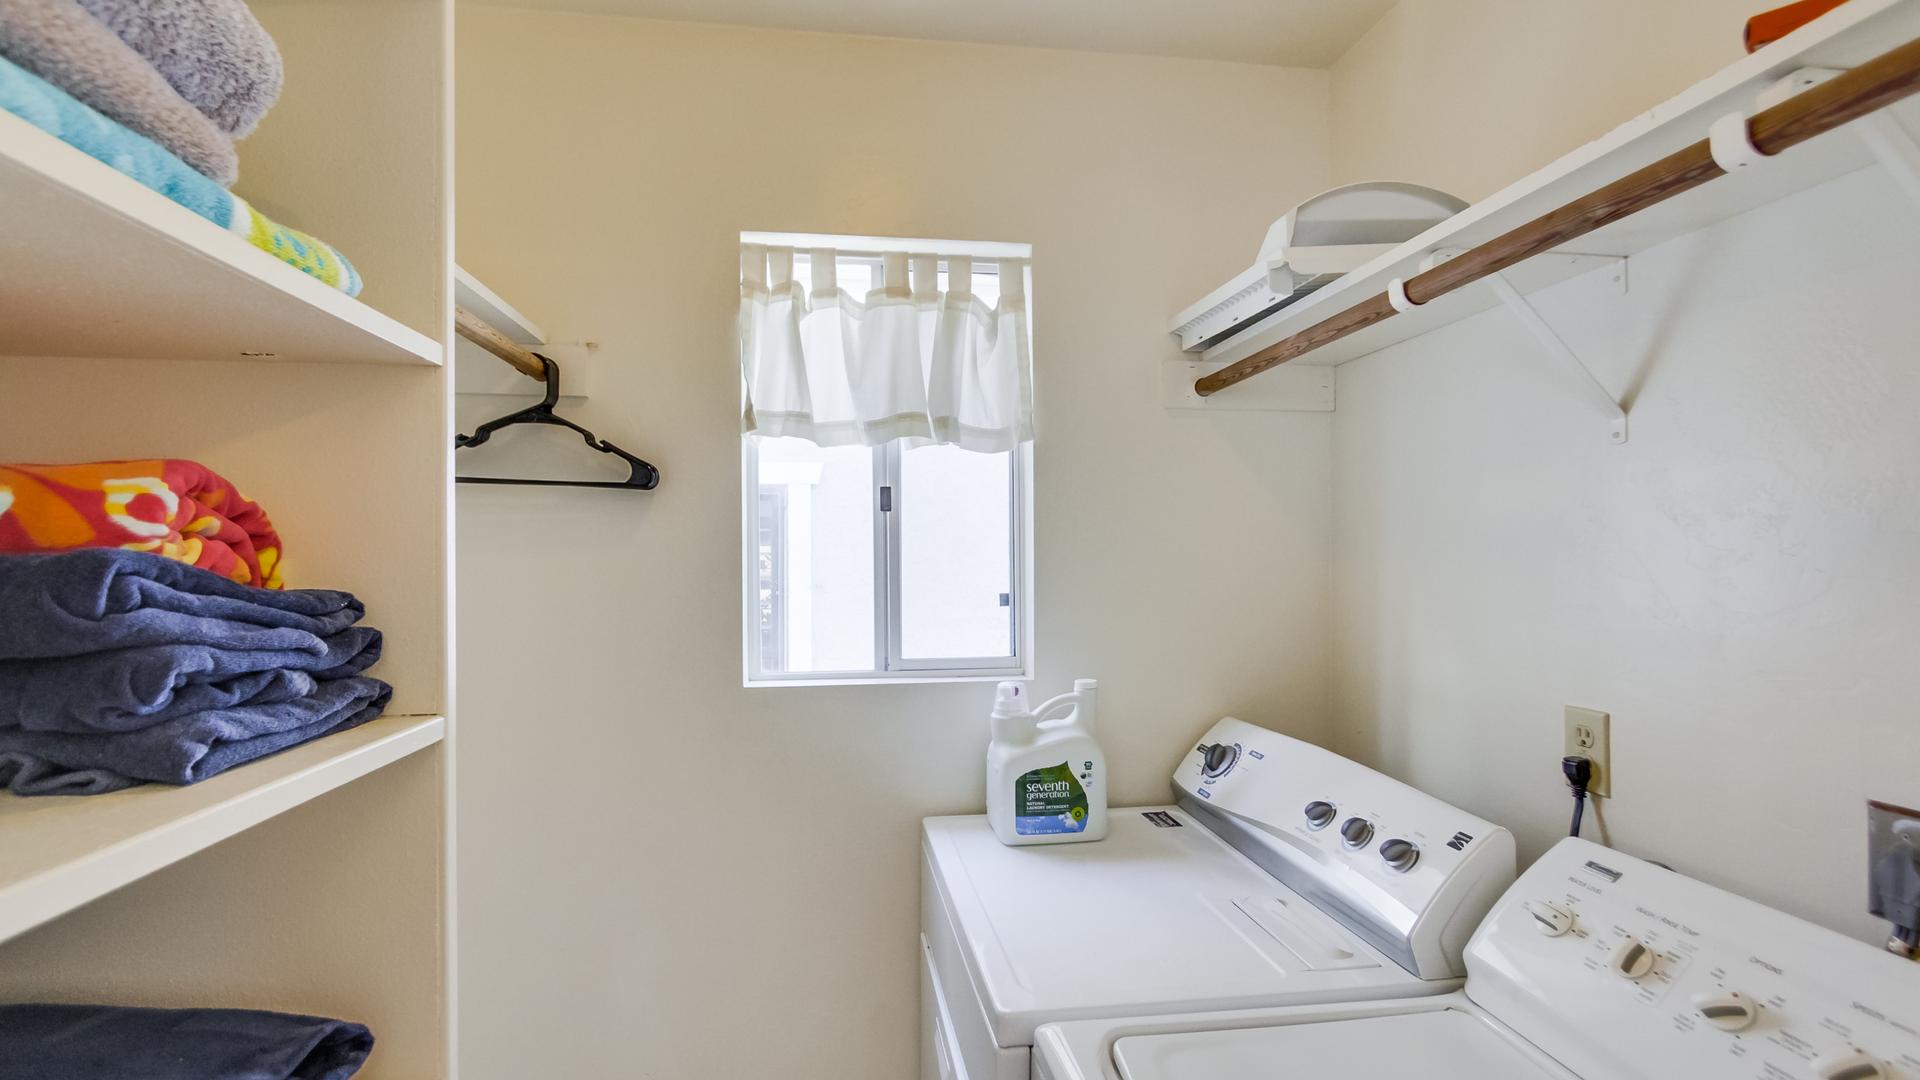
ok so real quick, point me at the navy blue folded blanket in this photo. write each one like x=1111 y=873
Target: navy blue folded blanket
x=185 y=750
x=128 y=689
x=81 y=602
x=99 y=1042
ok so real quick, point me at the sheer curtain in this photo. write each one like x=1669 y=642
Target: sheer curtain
x=838 y=365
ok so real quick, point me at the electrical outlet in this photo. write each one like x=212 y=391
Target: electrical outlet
x=1587 y=736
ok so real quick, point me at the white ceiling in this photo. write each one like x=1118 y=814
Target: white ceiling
x=1308 y=33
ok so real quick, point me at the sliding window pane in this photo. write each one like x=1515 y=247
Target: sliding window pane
x=956 y=554
x=816 y=557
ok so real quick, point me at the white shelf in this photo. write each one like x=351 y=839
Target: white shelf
x=93 y=263
x=57 y=853
x=469 y=293
x=1847 y=36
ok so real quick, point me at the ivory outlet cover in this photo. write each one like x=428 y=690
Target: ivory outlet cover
x=1587 y=736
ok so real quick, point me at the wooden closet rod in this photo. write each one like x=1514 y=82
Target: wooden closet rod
x=1876 y=84
x=481 y=333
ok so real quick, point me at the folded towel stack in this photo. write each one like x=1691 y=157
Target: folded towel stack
x=58 y=41
x=121 y=667
x=98 y=1042
x=159 y=90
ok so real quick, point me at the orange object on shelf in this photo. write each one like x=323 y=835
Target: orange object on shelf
x=1770 y=26
x=181 y=510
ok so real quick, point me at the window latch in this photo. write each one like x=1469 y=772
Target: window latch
x=886 y=498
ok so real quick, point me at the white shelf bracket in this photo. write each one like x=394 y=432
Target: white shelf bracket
x=1895 y=148
x=1881 y=132
x=1554 y=344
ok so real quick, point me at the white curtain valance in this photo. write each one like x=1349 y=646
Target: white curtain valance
x=904 y=361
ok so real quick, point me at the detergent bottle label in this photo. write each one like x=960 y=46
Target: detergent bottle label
x=1049 y=800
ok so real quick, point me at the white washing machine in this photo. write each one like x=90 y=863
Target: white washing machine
x=1286 y=874
x=1595 y=966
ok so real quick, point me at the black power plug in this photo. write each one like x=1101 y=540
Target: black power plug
x=1579 y=772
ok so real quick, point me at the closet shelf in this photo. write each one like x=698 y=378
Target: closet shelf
x=57 y=853
x=1846 y=37
x=471 y=294
x=95 y=264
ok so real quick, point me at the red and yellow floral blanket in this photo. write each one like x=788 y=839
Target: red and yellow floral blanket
x=180 y=509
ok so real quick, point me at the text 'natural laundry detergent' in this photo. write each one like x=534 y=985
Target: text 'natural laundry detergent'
x=1046 y=776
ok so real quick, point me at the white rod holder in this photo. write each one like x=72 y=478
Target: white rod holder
x=1553 y=343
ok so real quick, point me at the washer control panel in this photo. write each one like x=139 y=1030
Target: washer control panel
x=1620 y=968
x=1407 y=871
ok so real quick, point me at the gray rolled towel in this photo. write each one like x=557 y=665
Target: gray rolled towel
x=58 y=41
x=214 y=52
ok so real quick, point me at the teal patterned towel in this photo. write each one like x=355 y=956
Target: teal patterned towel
x=52 y=110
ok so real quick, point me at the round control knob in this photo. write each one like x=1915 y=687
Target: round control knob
x=1848 y=1064
x=1728 y=1010
x=1216 y=760
x=1355 y=832
x=1550 y=919
x=1632 y=959
x=1320 y=814
x=1400 y=855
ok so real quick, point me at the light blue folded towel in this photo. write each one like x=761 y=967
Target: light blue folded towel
x=57 y=113
x=130 y=689
x=185 y=750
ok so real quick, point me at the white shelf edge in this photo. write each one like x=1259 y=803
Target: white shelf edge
x=470 y=293
x=113 y=850
x=26 y=146
x=1841 y=38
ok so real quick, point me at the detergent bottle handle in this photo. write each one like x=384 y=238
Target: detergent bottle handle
x=1064 y=704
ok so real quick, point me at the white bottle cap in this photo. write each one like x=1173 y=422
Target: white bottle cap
x=1010 y=699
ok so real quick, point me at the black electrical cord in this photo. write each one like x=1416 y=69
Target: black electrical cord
x=1579 y=772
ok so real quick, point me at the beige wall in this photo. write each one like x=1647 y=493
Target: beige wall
x=662 y=874
x=1471 y=95
x=1738 y=585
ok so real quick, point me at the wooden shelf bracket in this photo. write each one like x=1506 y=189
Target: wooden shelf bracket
x=1556 y=345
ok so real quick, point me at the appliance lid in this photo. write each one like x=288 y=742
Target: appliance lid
x=1407 y=872
x=1161 y=916
x=1440 y=1044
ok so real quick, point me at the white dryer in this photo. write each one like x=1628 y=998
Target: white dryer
x=1286 y=874
x=1595 y=966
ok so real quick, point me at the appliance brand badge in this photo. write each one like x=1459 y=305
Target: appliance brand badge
x=1607 y=872
x=1460 y=841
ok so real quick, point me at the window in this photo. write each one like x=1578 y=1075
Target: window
x=903 y=560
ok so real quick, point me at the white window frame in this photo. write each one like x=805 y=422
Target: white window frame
x=889 y=665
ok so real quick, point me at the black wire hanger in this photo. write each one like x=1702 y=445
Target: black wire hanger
x=642 y=477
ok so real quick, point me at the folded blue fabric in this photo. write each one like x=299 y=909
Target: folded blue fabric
x=185 y=750
x=129 y=689
x=57 y=113
x=77 y=124
x=103 y=1042
x=89 y=601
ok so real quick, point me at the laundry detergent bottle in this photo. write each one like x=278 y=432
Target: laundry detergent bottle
x=1046 y=776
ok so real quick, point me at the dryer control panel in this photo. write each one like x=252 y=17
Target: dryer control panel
x=1620 y=968
x=1408 y=872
